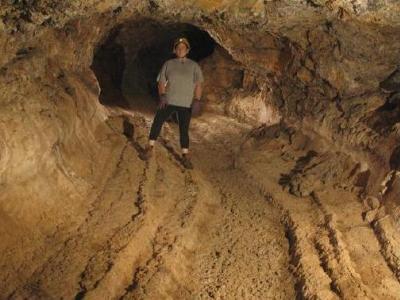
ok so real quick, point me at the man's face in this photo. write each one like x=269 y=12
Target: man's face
x=181 y=50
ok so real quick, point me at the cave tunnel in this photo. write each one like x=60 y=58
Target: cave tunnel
x=295 y=188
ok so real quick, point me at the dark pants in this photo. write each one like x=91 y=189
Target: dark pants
x=184 y=115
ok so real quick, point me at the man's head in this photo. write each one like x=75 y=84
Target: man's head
x=181 y=47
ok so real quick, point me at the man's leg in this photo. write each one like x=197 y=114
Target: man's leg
x=159 y=119
x=184 y=116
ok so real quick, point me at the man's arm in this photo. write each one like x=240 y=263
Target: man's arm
x=163 y=102
x=162 y=79
x=198 y=89
x=198 y=79
x=162 y=87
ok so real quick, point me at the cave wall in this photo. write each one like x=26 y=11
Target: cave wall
x=322 y=62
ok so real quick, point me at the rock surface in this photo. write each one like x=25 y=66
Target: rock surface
x=302 y=111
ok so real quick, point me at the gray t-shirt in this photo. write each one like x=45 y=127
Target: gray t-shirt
x=181 y=79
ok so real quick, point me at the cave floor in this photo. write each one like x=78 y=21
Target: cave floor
x=225 y=230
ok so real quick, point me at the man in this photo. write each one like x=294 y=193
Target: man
x=180 y=88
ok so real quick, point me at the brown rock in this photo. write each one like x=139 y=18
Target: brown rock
x=372 y=202
x=370 y=215
x=304 y=75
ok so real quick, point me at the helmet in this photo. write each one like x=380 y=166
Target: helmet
x=181 y=40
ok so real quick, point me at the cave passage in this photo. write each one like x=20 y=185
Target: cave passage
x=127 y=62
x=295 y=190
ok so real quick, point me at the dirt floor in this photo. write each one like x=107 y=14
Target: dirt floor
x=225 y=230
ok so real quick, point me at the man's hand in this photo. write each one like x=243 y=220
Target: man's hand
x=196 y=107
x=163 y=102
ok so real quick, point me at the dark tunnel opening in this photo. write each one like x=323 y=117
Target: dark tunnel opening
x=128 y=60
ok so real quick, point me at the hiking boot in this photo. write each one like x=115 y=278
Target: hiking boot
x=186 y=162
x=147 y=153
